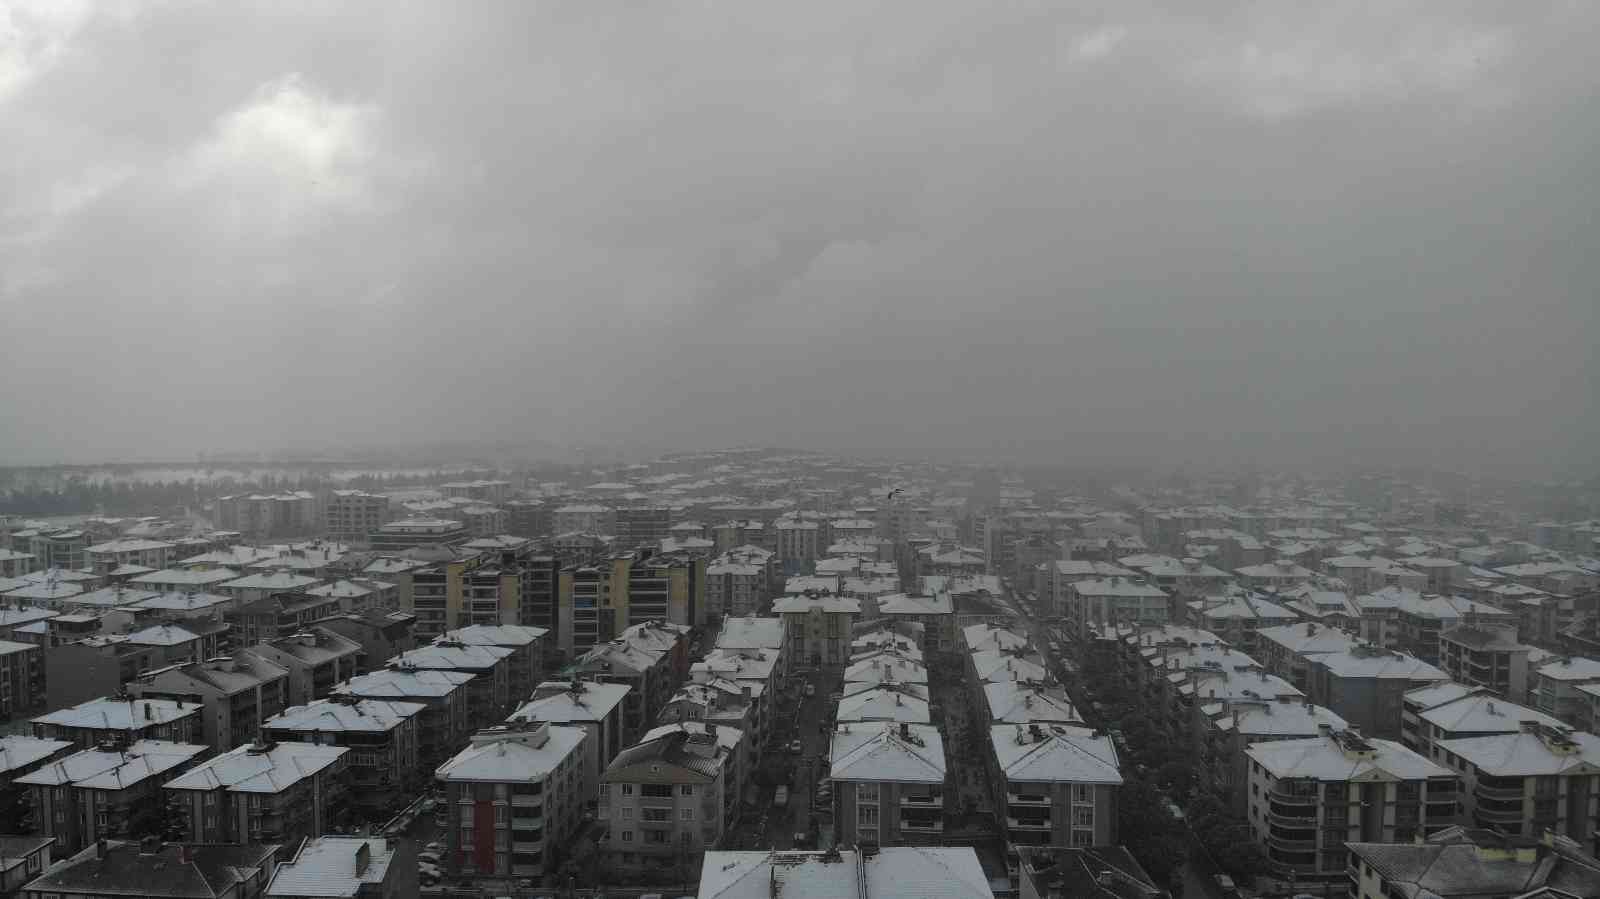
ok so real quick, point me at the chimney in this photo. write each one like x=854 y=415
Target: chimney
x=1324 y=729
x=905 y=730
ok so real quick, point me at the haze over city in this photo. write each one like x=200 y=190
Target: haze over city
x=1233 y=233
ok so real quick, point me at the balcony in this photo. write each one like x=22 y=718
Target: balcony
x=526 y=801
x=924 y=801
x=1487 y=816
x=527 y=847
x=1504 y=794
x=527 y=823
x=1028 y=823
x=1293 y=795
x=930 y=825
x=1294 y=816
x=1027 y=798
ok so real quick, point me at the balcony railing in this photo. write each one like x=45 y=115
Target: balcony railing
x=932 y=825
x=1027 y=798
x=1300 y=796
x=1293 y=819
x=1028 y=823
x=1504 y=794
x=929 y=801
x=1488 y=815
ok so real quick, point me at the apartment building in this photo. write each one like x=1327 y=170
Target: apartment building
x=936 y=613
x=748 y=632
x=1488 y=656
x=381 y=734
x=266 y=584
x=357 y=867
x=896 y=703
x=1105 y=871
x=273 y=791
x=584 y=519
x=381 y=635
x=488 y=693
x=1308 y=797
x=1539 y=779
x=112 y=791
x=817 y=628
x=122 y=721
x=317 y=659
x=888 y=782
x=1238 y=618
x=66 y=549
x=739 y=583
x=22 y=680
x=276 y=615
x=663 y=800
x=442 y=725
x=258 y=516
x=1556 y=687
x=1287 y=650
x=1472 y=863
x=15 y=564
x=949 y=872
x=1366 y=686
x=105 y=558
x=1453 y=711
x=235 y=693
x=1054 y=785
x=404 y=533
x=583 y=616
x=183 y=580
x=513 y=796
x=1228 y=729
x=119 y=869
x=798 y=541
x=640 y=526
x=592 y=705
x=1115 y=600
x=353 y=514
x=20 y=756
x=525 y=662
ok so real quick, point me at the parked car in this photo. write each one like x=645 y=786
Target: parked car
x=811 y=689
x=794 y=746
x=781 y=797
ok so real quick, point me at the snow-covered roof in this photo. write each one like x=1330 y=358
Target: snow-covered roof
x=1341 y=756
x=561 y=701
x=514 y=756
x=326 y=866
x=1049 y=752
x=926 y=872
x=887 y=751
x=260 y=767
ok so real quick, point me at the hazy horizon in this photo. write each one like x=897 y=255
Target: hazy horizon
x=1076 y=232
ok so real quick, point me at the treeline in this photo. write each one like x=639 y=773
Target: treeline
x=81 y=496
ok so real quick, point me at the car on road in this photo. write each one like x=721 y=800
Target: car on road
x=428 y=856
x=781 y=797
x=794 y=746
x=811 y=689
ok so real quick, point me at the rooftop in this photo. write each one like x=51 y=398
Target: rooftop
x=329 y=866
x=269 y=767
x=115 y=768
x=888 y=751
x=1343 y=755
x=564 y=701
x=107 y=713
x=513 y=755
x=1049 y=752
x=174 y=872
x=927 y=872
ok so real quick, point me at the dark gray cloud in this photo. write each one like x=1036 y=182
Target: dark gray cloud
x=1045 y=230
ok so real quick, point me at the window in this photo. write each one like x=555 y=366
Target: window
x=866 y=792
x=627 y=789
x=867 y=815
x=1082 y=793
x=627 y=836
x=685 y=814
x=1082 y=837
x=1083 y=816
x=627 y=813
x=686 y=790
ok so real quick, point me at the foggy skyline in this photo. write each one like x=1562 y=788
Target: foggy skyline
x=1043 y=231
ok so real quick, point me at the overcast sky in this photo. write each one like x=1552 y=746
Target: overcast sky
x=1260 y=232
